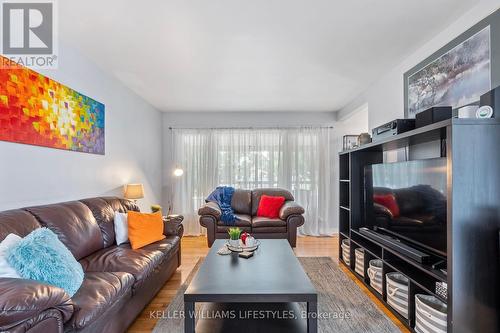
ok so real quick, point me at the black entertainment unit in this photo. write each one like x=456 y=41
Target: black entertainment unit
x=460 y=242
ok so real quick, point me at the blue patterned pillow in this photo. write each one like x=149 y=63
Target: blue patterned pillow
x=42 y=257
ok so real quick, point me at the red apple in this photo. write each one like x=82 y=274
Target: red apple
x=244 y=236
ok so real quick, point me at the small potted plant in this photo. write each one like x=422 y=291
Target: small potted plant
x=234 y=236
x=155 y=208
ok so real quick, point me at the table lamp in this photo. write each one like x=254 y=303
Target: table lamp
x=134 y=192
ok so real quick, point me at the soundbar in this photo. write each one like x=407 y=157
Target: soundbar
x=397 y=246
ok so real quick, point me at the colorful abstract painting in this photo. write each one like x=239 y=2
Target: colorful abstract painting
x=39 y=111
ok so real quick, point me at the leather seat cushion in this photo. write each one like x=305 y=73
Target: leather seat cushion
x=269 y=230
x=141 y=263
x=242 y=221
x=258 y=222
x=225 y=228
x=99 y=292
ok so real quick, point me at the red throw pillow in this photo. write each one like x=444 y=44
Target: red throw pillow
x=270 y=206
x=388 y=201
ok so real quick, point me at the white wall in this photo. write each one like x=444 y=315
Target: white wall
x=31 y=175
x=385 y=96
x=247 y=119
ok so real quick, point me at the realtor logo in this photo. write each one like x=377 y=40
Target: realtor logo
x=28 y=33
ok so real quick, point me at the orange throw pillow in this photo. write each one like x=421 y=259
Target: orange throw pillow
x=144 y=229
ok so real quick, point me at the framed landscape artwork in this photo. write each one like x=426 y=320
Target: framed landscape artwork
x=37 y=110
x=459 y=73
x=457 y=78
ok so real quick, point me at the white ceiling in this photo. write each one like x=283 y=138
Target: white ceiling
x=259 y=55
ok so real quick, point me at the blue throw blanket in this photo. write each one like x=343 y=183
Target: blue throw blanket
x=222 y=195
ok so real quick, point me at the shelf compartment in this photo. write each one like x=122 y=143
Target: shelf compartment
x=344 y=166
x=344 y=219
x=424 y=281
x=345 y=234
x=344 y=194
x=372 y=248
x=435 y=273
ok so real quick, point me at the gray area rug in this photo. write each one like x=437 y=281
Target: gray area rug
x=345 y=308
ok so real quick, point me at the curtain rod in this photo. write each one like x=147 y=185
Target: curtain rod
x=243 y=128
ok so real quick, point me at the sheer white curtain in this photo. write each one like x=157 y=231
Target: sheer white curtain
x=299 y=159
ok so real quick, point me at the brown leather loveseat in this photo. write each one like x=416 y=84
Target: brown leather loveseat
x=245 y=204
x=119 y=282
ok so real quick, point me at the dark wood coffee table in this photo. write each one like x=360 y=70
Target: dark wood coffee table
x=272 y=275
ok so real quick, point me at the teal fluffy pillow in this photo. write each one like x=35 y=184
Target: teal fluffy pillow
x=42 y=257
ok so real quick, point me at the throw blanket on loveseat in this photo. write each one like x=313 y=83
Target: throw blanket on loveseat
x=222 y=195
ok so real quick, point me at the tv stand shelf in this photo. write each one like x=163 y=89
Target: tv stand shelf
x=472 y=152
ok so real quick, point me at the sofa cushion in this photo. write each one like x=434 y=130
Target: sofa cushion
x=259 y=222
x=224 y=229
x=243 y=220
x=141 y=263
x=242 y=202
x=269 y=230
x=275 y=192
x=17 y=222
x=74 y=225
x=121 y=205
x=104 y=216
x=98 y=293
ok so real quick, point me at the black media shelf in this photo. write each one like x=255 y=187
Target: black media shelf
x=470 y=147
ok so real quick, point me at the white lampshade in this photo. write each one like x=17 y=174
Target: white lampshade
x=134 y=191
x=178 y=172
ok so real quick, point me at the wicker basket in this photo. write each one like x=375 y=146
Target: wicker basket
x=375 y=274
x=359 y=265
x=346 y=251
x=397 y=292
x=430 y=314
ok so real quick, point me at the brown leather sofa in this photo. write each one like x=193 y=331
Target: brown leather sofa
x=119 y=282
x=245 y=204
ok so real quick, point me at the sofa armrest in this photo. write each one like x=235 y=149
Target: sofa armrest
x=173 y=227
x=210 y=208
x=21 y=300
x=46 y=321
x=290 y=208
x=382 y=210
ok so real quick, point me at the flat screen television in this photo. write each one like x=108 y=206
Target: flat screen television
x=408 y=200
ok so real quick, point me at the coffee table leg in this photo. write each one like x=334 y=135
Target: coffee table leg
x=312 y=317
x=189 y=317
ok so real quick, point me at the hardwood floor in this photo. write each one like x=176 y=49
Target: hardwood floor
x=194 y=248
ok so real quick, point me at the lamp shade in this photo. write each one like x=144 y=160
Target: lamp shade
x=134 y=191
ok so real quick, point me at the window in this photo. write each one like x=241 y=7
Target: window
x=297 y=159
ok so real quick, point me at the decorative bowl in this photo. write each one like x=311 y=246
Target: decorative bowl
x=242 y=247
